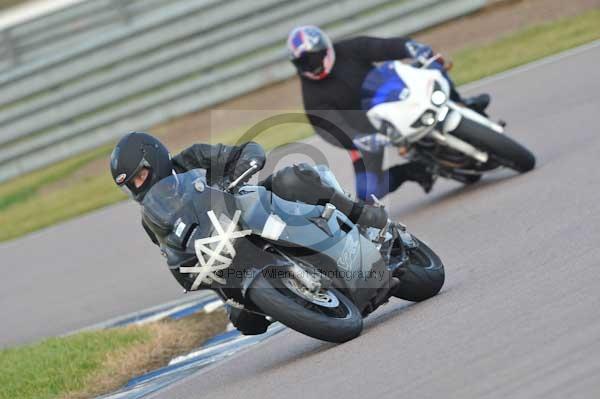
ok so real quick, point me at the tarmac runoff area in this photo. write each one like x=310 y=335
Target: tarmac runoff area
x=517 y=316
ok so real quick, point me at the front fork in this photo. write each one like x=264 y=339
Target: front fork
x=394 y=240
x=449 y=119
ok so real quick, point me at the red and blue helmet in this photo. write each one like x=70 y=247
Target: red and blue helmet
x=311 y=51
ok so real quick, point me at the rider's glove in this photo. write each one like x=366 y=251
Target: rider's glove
x=418 y=50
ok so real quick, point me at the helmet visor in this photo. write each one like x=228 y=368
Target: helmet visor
x=311 y=62
x=129 y=187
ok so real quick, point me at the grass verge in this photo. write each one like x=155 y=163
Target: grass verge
x=93 y=363
x=58 y=193
x=65 y=190
x=520 y=48
x=4 y=4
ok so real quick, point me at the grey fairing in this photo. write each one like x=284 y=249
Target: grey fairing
x=351 y=260
x=174 y=201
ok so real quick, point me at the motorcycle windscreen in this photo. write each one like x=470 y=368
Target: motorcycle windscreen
x=167 y=198
x=180 y=204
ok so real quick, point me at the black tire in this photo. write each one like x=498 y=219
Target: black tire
x=423 y=275
x=501 y=148
x=295 y=312
x=464 y=178
x=472 y=179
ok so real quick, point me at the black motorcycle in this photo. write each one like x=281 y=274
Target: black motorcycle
x=307 y=266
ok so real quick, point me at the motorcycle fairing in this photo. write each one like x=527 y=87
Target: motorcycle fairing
x=179 y=213
x=352 y=261
x=402 y=114
x=381 y=85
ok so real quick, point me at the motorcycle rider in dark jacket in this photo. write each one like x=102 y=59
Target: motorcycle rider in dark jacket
x=332 y=75
x=139 y=161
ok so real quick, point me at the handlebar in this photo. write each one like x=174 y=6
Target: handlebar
x=425 y=62
x=253 y=167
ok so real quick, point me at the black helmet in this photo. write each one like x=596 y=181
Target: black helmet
x=134 y=152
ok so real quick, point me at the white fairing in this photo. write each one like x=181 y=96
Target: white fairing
x=405 y=112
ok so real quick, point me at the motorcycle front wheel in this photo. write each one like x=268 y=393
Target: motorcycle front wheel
x=422 y=276
x=327 y=315
x=502 y=149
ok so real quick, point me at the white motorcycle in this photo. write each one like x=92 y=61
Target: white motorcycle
x=412 y=110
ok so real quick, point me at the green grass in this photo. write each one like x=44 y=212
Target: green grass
x=27 y=186
x=59 y=365
x=526 y=46
x=10 y=3
x=90 y=364
x=25 y=206
x=43 y=210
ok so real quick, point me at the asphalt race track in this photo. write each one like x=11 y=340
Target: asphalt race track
x=518 y=316
x=79 y=273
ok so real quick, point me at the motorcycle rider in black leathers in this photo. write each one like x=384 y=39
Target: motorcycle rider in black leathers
x=332 y=75
x=139 y=161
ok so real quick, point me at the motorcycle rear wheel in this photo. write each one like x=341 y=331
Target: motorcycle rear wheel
x=338 y=324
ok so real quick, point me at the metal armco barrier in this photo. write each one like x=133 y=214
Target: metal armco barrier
x=147 y=61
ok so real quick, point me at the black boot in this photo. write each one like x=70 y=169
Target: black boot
x=478 y=103
x=412 y=171
x=426 y=182
x=359 y=212
x=247 y=323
